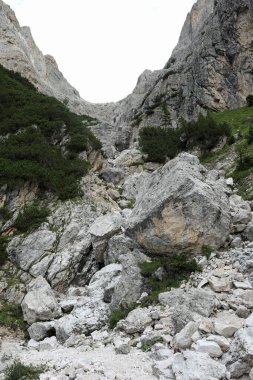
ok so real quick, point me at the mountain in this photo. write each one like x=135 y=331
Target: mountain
x=122 y=268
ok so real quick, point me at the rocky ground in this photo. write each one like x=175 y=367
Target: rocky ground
x=83 y=264
x=203 y=329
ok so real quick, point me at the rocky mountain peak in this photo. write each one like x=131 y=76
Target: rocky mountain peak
x=195 y=20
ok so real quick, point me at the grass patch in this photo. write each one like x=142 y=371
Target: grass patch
x=119 y=314
x=19 y=371
x=31 y=218
x=11 y=316
x=41 y=139
x=206 y=251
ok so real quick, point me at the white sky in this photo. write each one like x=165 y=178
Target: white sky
x=102 y=46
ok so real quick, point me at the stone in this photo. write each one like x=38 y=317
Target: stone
x=220 y=340
x=133 y=183
x=191 y=365
x=162 y=369
x=112 y=174
x=249 y=321
x=121 y=346
x=40 y=303
x=29 y=250
x=183 y=339
x=251 y=374
x=102 y=230
x=236 y=242
x=129 y=157
x=136 y=321
x=243 y=284
x=206 y=325
x=227 y=323
x=246 y=296
x=209 y=347
x=41 y=330
x=170 y=212
x=242 y=311
x=188 y=305
x=48 y=344
x=220 y=284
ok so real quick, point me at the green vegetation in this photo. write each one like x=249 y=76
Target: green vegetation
x=3 y=253
x=119 y=314
x=161 y=142
x=206 y=251
x=31 y=218
x=177 y=268
x=11 y=316
x=34 y=127
x=5 y=214
x=249 y=100
x=19 y=371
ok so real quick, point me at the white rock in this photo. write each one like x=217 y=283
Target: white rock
x=220 y=284
x=221 y=341
x=249 y=321
x=40 y=303
x=191 y=365
x=209 y=347
x=227 y=323
x=251 y=374
x=136 y=321
x=206 y=325
x=243 y=284
x=183 y=339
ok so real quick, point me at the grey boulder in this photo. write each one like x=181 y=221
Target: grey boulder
x=180 y=208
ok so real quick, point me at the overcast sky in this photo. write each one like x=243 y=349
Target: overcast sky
x=102 y=46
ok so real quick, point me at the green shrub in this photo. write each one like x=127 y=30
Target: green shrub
x=250 y=135
x=249 y=100
x=11 y=316
x=31 y=218
x=19 y=371
x=33 y=125
x=5 y=214
x=3 y=252
x=177 y=267
x=160 y=143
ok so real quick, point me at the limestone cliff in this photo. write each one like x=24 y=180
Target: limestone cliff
x=210 y=68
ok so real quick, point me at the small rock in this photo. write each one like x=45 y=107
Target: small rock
x=219 y=284
x=243 y=285
x=242 y=311
x=183 y=339
x=221 y=341
x=206 y=325
x=209 y=347
x=236 y=242
x=226 y=324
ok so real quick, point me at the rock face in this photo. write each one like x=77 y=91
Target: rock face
x=40 y=303
x=178 y=208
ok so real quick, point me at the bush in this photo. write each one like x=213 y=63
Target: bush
x=31 y=218
x=177 y=267
x=41 y=138
x=5 y=214
x=11 y=316
x=249 y=100
x=250 y=135
x=3 y=252
x=161 y=143
x=19 y=371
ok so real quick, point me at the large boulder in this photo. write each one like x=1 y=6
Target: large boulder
x=40 y=303
x=180 y=207
x=191 y=305
x=191 y=365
